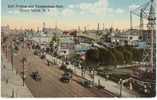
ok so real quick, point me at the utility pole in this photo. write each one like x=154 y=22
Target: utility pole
x=98 y=28
x=78 y=28
x=12 y=55
x=103 y=27
x=44 y=25
x=131 y=20
x=6 y=51
x=141 y=24
x=85 y=29
x=23 y=70
x=23 y=73
x=151 y=27
x=121 y=84
x=56 y=26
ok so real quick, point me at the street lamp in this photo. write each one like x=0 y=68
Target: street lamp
x=121 y=85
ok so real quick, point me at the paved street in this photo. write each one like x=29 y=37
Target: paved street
x=50 y=85
x=109 y=85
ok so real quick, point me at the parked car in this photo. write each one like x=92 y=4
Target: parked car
x=35 y=75
x=66 y=77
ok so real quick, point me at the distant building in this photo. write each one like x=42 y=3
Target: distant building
x=82 y=47
x=86 y=37
x=5 y=30
x=125 y=39
x=141 y=45
x=42 y=37
x=66 y=45
x=52 y=31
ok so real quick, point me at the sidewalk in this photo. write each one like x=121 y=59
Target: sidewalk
x=109 y=85
x=11 y=83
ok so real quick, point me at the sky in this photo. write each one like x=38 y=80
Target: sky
x=74 y=13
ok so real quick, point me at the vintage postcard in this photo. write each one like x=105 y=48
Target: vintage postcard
x=78 y=48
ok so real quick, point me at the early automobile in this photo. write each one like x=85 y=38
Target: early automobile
x=35 y=75
x=66 y=77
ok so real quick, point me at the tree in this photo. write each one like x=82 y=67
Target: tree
x=75 y=58
x=92 y=56
x=114 y=60
x=103 y=56
x=127 y=56
x=54 y=40
x=118 y=55
x=92 y=59
x=107 y=57
x=54 y=44
x=138 y=54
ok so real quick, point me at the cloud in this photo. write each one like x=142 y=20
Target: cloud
x=97 y=8
x=82 y=12
x=113 y=11
x=119 y=11
x=68 y=12
x=71 y=6
x=110 y=10
x=100 y=7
